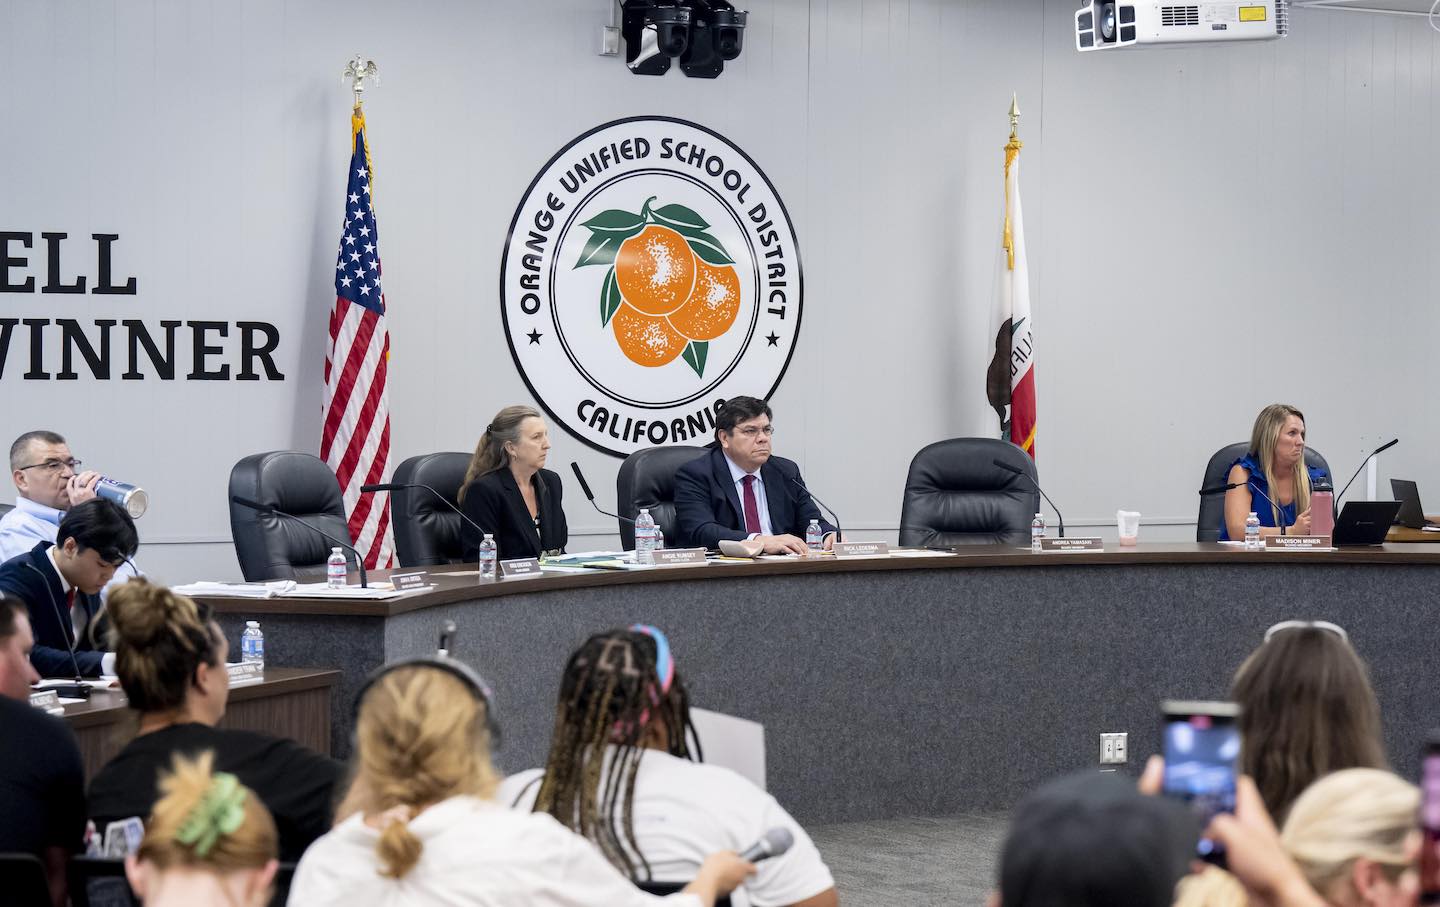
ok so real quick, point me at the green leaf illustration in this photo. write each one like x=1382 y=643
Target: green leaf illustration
x=600 y=249
x=694 y=355
x=610 y=298
x=681 y=219
x=709 y=248
x=616 y=221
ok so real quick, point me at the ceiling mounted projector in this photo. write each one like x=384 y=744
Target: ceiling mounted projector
x=1109 y=25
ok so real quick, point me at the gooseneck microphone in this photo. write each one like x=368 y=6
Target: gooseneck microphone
x=771 y=844
x=1383 y=447
x=1024 y=475
x=265 y=508
x=79 y=689
x=392 y=486
x=839 y=536
x=590 y=495
x=1221 y=489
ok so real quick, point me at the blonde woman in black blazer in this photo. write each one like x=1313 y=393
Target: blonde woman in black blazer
x=509 y=492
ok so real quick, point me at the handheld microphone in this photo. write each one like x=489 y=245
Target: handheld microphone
x=391 y=486
x=590 y=495
x=1022 y=474
x=771 y=844
x=265 y=508
x=833 y=515
x=1383 y=447
x=1221 y=489
x=79 y=689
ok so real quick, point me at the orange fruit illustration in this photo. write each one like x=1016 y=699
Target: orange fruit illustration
x=712 y=306
x=655 y=270
x=645 y=339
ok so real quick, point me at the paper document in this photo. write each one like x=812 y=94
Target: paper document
x=236 y=590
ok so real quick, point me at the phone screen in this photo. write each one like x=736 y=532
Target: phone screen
x=1202 y=746
x=1430 y=824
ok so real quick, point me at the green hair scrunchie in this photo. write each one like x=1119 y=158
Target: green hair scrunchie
x=220 y=812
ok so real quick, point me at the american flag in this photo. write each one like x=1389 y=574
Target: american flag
x=356 y=438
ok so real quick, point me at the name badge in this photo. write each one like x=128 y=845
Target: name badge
x=245 y=672
x=409 y=582
x=672 y=557
x=1083 y=543
x=1297 y=543
x=520 y=566
x=860 y=549
x=45 y=699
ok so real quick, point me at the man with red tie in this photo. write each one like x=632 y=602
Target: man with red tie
x=60 y=585
x=740 y=490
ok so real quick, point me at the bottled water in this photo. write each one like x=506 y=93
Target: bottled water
x=489 y=555
x=814 y=536
x=1037 y=531
x=252 y=644
x=645 y=537
x=337 y=571
x=1252 y=532
x=659 y=537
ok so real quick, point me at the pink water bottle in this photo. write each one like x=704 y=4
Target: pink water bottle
x=1322 y=512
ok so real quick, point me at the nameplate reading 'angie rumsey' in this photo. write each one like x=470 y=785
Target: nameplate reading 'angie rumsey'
x=672 y=557
x=406 y=582
x=520 y=566
x=1297 y=543
x=860 y=549
x=1089 y=543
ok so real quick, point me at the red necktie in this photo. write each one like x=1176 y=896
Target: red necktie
x=752 y=510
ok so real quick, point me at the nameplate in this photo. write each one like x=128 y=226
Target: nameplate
x=1083 y=543
x=861 y=549
x=45 y=699
x=520 y=566
x=674 y=557
x=246 y=672
x=1297 y=543
x=409 y=582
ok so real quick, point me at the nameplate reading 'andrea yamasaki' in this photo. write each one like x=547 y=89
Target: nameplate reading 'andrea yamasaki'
x=1298 y=543
x=677 y=557
x=520 y=566
x=409 y=582
x=1084 y=543
x=861 y=549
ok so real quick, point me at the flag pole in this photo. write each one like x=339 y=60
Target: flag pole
x=1012 y=151
x=357 y=71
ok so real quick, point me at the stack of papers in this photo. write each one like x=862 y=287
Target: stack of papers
x=236 y=590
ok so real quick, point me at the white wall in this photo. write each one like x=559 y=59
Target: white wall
x=1209 y=229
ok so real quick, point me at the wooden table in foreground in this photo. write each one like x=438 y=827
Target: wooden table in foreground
x=1406 y=534
x=289 y=702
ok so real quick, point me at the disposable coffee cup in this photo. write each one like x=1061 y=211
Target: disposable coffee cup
x=1128 y=522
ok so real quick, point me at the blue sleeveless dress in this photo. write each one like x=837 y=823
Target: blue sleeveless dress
x=1263 y=510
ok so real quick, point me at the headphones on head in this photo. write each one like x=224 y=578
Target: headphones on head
x=440 y=661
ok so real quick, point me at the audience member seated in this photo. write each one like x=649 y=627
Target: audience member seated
x=209 y=840
x=60 y=585
x=1211 y=887
x=1306 y=709
x=46 y=485
x=508 y=492
x=420 y=825
x=651 y=808
x=1355 y=836
x=170 y=656
x=1273 y=468
x=42 y=782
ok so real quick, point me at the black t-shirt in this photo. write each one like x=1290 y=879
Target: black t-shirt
x=296 y=784
x=42 y=782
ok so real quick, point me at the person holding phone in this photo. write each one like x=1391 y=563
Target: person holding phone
x=1271 y=480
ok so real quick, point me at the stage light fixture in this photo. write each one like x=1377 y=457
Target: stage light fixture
x=717 y=33
x=655 y=33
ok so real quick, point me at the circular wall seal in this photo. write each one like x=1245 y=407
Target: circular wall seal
x=650 y=273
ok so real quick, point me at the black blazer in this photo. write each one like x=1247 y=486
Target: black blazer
x=493 y=500
x=708 y=509
x=31 y=578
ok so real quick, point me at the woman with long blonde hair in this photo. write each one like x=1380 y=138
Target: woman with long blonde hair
x=1272 y=479
x=509 y=493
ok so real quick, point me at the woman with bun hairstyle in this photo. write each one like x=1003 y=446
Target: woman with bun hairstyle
x=170 y=657
x=209 y=840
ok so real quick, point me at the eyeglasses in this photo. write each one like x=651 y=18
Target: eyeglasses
x=54 y=465
x=753 y=431
x=1307 y=625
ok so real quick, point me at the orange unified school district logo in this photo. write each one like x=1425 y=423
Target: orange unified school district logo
x=650 y=273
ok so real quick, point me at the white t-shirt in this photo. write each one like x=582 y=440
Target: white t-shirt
x=474 y=853
x=686 y=810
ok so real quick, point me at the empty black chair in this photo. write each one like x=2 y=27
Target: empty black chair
x=23 y=879
x=426 y=531
x=665 y=888
x=647 y=479
x=956 y=495
x=273 y=547
x=1217 y=471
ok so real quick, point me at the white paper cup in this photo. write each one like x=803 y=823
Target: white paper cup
x=1128 y=522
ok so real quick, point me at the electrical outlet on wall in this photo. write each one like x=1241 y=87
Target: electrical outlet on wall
x=1114 y=748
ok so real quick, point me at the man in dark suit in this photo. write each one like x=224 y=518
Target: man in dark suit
x=739 y=490
x=60 y=585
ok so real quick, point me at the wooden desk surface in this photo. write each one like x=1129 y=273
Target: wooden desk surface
x=1406 y=534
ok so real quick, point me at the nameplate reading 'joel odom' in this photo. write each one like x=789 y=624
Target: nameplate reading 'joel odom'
x=861 y=549
x=674 y=557
x=1084 y=543
x=409 y=582
x=1297 y=543
x=520 y=566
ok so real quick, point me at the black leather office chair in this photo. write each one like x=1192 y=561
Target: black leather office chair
x=647 y=479
x=273 y=547
x=6 y=508
x=23 y=879
x=1212 y=507
x=956 y=495
x=426 y=531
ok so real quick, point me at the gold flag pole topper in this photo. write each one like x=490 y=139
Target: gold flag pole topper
x=1012 y=151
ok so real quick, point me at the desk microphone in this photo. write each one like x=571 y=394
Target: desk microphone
x=771 y=844
x=1221 y=489
x=391 y=486
x=839 y=537
x=265 y=508
x=1026 y=476
x=590 y=495
x=78 y=690
x=1383 y=447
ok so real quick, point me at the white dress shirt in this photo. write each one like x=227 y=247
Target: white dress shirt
x=737 y=475
x=78 y=614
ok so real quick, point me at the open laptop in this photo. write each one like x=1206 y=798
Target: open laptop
x=1364 y=522
x=1411 y=513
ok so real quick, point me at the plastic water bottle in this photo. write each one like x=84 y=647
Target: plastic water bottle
x=1037 y=531
x=252 y=644
x=814 y=536
x=489 y=554
x=1252 y=532
x=659 y=537
x=645 y=537
x=337 y=571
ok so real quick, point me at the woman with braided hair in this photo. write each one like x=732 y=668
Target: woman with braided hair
x=624 y=770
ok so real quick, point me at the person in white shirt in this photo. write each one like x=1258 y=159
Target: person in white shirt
x=46 y=485
x=420 y=825
x=653 y=811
